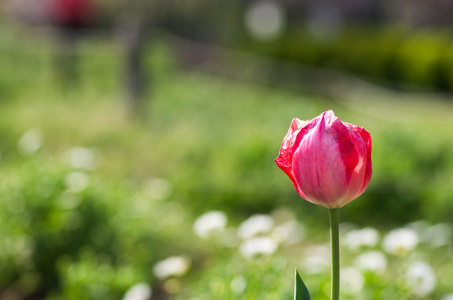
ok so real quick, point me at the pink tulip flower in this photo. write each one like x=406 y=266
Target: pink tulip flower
x=328 y=160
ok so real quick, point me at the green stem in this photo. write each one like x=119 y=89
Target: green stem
x=334 y=217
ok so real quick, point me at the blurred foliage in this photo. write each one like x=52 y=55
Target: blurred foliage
x=394 y=56
x=90 y=243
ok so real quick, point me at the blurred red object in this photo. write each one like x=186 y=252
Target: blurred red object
x=71 y=13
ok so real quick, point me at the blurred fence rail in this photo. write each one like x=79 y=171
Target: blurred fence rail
x=41 y=39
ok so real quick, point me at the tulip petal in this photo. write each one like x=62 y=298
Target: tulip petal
x=285 y=158
x=320 y=171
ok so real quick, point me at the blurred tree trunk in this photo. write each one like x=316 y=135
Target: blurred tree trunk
x=132 y=37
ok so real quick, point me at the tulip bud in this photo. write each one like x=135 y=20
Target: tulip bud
x=328 y=160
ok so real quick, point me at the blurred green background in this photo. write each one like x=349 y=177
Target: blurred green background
x=116 y=135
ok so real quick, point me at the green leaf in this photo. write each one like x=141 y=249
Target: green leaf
x=300 y=290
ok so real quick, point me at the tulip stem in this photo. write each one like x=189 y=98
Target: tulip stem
x=334 y=217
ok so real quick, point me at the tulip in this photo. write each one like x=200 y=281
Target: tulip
x=328 y=160
x=329 y=163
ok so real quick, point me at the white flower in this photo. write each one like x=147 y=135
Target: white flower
x=31 y=141
x=352 y=281
x=140 y=291
x=447 y=297
x=419 y=227
x=210 y=223
x=400 y=241
x=317 y=259
x=77 y=181
x=257 y=246
x=374 y=261
x=363 y=237
x=315 y=264
x=370 y=237
x=289 y=233
x=172 y=266
x=238 y=284
x=255 y=225
x=81 y=158
x=438 y=235
x=420 y=278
